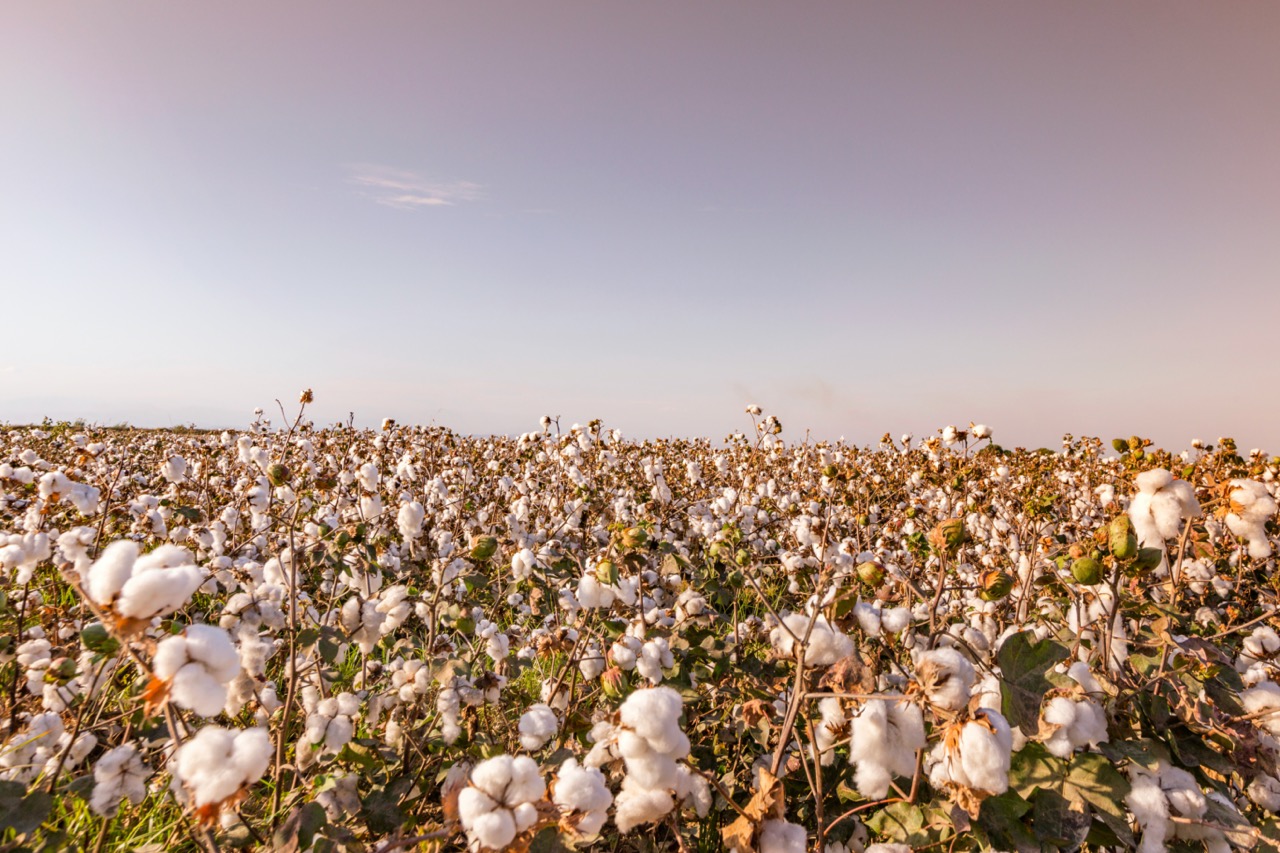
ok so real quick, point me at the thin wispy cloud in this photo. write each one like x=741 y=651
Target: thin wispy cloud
x=405 y=190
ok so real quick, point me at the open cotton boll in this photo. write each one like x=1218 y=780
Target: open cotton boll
x=409 y=520
x=1251 y=507
x=582 y=797
x=109 y=572
x=780 y=836
x=827 y=644
x=637 y=805
x=118 y=775
x=1147 y=802
x=217 y=764
x=973 y=761
x=1161 y=505
x=946 y=677
x=833 y=726
x=537 y=726
x=885 y=736
x=522 y=563
x=1264 y=790
x=498 y=803
x=161 y=582
x=592 y=594
x=198 y=664
x=1264 y=701
x=654 y=714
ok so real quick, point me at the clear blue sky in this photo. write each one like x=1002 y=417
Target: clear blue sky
x=864 y=216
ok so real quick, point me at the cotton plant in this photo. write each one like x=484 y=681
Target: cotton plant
x=500 y=801
x=137 y=588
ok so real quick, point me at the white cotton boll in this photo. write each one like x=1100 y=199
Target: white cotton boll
x=522 y=563
x=654 y=714
x=582 y=797
x=827 y=644
x=217 y=763
x=655 y=656
x=157 y=590
x=119 y=775
x=780 y=836
x=692 y=789
x=894 y=620
x=1264 y=701
x=1147 y=802
x=409 y=520
x=885 y=735
x=637 y=805
x=868 y=618
x=174 y=469
x=947 y=678
x=537 y=726
x=1252 y=506
x=592 y=663
x=1060 y=712
x=592 y=594
x=832 y=727
x=109 y=572
x=1264 y=790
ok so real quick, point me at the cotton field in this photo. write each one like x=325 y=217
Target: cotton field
x=290 y=637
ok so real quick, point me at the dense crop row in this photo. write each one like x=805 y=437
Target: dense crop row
x=304 y=638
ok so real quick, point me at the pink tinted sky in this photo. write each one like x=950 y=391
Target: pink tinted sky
x=863 y=216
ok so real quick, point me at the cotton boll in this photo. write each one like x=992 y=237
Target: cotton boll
x=780 y=836
x=654 y=715
x=1147 y=802
x=583 y=798
x=498 y=803
x=885 y=737
x=118 y=775
x=537 y=726
x=109 y=572
x=1264 y=701
x=1264 y=790
x=833 y=726
x=198 y=665
x=895 y=620
x=1251 y=507
x=946 y=677
x=827 y=644
x=637 y=805
x=217 y=763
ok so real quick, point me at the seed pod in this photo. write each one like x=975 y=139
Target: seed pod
x=995 y=585
x=948 y=536
x=830 y=472
x=871 y=573
x=1120 y=445
x=1087 y=571
x=612 y=680
x=607 y=572
x=634 y=537
x=1122 y=540
x=1135 y=442
x=97 y=638
x=1147 y=559
x=277 y=474
x=483 y=547
x=742 y=557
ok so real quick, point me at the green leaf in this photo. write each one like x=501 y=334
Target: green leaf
x=299 y=829
x=1023 y=664
x=22 y=814
x=1001 y=817
x=1060 y=822
x=898 y=822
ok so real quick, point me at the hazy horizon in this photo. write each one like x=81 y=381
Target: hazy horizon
x=864 y=217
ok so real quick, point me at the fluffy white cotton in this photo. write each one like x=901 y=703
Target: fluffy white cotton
x=1252 y=506
x=218 y=763
x=1160 y=507
x=582 y=797
x=498 y=802
x=537 y=726
x=780 y=836
x=977 y=758
x=886 y=735
x=119 y=775
x=833 y=726
x=827 y=644
x=198 y=664
x=1264 y=701
x=946 y=677
x=637 y=805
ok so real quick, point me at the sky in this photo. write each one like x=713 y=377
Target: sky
x=863 y=216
